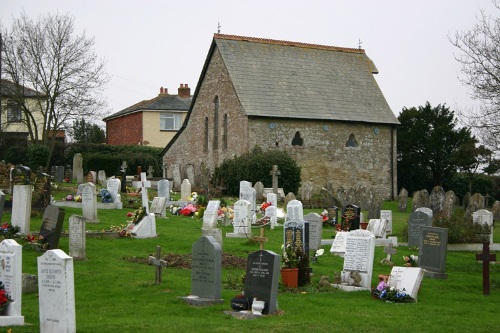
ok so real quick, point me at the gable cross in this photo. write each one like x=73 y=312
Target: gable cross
x=158 y=263
x=144 y=184
x=275 y=173
x=486 y=257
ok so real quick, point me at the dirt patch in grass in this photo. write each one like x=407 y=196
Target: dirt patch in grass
x=184 y=260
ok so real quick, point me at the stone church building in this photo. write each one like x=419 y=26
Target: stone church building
x=319 y=103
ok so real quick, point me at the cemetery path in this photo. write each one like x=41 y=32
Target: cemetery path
x=184 y=260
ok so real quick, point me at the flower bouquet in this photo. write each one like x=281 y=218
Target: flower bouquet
x=4 y=299
x=391 y=294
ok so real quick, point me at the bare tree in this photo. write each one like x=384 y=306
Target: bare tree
x=480 y=59
x=48 y=56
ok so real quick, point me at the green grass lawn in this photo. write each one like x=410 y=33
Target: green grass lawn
x=114 y=294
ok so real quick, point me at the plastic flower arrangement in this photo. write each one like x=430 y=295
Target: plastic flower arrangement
x=105 y=196
x=193 y=197
x=4 y=298
x=291 y=257
x=263 y=206
x=324 y=216
x=69 y=197
x=411 y=260
x=137 y=215
x=8 y=230
x=390 y=294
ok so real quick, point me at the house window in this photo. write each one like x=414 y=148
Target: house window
x=14 y=114
x=206 y=135
x=224 y=132
x=170 y=121
x=216 y=122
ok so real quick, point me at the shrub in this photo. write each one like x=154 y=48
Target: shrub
x=37 y=155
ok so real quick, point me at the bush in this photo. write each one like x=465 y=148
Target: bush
x=254 y=167
x=37 y=155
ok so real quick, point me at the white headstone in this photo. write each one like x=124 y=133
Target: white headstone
x=185 y=190
x=482 y=217
x=387 y=214
x=21 y=208
x=407 y=278
x=242 y=219
x=294 y=211
x=159 y=206
x=11 y=256
x=101 y=177
x=77 y=237
x=163 y=189
x=359 y=253
x=211 y=214
x=272 y=214
x=56 y=292
x=378 y=227
x=89 y=203
x=114 y=186
x=339 y=243
x=272 y=198
x=144 y=185
x=146 y=228
x=79 y=190
x=249 y=194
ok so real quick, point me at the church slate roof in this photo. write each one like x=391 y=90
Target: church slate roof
x=162 y=102
x=303 y=81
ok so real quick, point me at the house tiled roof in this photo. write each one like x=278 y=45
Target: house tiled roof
x=159 y=103
x=303 y=81
x=8 y=88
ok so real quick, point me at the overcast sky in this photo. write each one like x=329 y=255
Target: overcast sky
x=150 y=44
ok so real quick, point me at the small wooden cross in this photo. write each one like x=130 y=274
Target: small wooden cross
x=261 y=239
x=390 y=250
x=486 y=257
x=158 y=263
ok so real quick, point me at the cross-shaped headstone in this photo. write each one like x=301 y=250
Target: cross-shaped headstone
x=487 y=197
x=158 y=263
x=124 y=166
x=144 y=185
x=486 y=257
x=275 y=173
x=390 y=250
x=261 y=239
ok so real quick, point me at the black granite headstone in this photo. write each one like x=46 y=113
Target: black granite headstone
x=297 y=234
x=432 y=251
x=351 y=215
x=333 y=215
x=52 y=222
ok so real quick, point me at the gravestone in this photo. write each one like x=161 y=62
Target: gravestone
x=92 y=177
x=2 y=203
x=56 y=291
x=262 y=278
x=403 y=200
x=495 y=209
x=159 y=263
x=247 y=192
x=271 y=212
x=59 y=173
x=185 y=190
x=144 y=184
x=77 y=237
x=190 y=173
x=294 y=211
x=259 y=191
x=242 y=220
x=416 y=221
x=206 y=272
x=427 y=211
x=390 y=250
x=350 y=217
x=315 y=230
x=471 y=208
x=296 y=234
x=210 y=218
x=466 y=199
x=101 y=177
x=478 y=199
x=387 y=214
x=339 y=243
x=79 y=189
x=176 y=176
x=113 y=185
x=358 y=258
x=275 y=173
x=485 y=218
x=21 y=207
x=52 y=222
x=89 y=203
x=306 y=192
x=486 y=257
x=164 y=189
x=436 y=200
x=78 y=168
x=420 y=199
x=159 y=206
x=150 y=172
x=272 y=198
x=11 y=257
x=432 y=252
x=333 y=215
x=289 y=197
x=449 y=204
x=146 y=228
x=407 y=278
x=378 y=227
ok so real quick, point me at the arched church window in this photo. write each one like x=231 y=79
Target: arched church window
x=351 y=142
x=216 y=122
x=297 y=139
x=206 y=135
x=224 y=132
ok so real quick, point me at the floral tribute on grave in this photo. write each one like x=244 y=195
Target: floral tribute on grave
x=389 y=294
x=4 y=299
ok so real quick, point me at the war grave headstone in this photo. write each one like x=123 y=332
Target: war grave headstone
x=185 y=190
x=11 y=257
x=358 y=261
x=416 y=221
x=294 y=211
x=89 y=203
x=113 y=185
x=271 y=212
x=77 y=237
x=163 y=186
x=486 y=257
x=350 y=217
x=339 y=243
x=315 y=230
x=206 y=264
x=262 y=278
x=56 y=290
x=484 y=217
x=78 y=168
x=144 y=184
x=21 y=207
x=242 y=220
x=52 y=222
x=159 y=206
x=403 y=200
x=407 y=278
x=101 y=177
x=146 y=228
x=432 y=252
x=2 y=203
x=387 y=214
x=210 y=218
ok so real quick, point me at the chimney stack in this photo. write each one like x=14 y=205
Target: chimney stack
x=163 y=91
x=184 y=90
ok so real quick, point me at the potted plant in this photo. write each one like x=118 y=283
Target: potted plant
x=290 y=266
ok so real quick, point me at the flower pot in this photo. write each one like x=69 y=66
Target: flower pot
x=290 y=277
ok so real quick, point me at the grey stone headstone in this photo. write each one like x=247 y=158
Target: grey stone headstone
x=359 y=254
x=495 y=210
x=432 y=251
x=52 y=222
x=306 y=191
x=211 y=214
x=190 y=173
x=315 y=230
x=436 y=200
x=113 y=186
x=403 y=200
x=78 y=168
x=59 y=173
x=262 y=278
x=289 y=197
x=427 y=211
x=77 y=237
x=159 y=206
x=387 y=214
x=11 y=257
x=478 y=199
x=176 y=175
x=449 y=204
x=2 y=203
x=101 y=177
x=163 y=188
x=206 y=268
x=416 y=222
x=259 y=191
